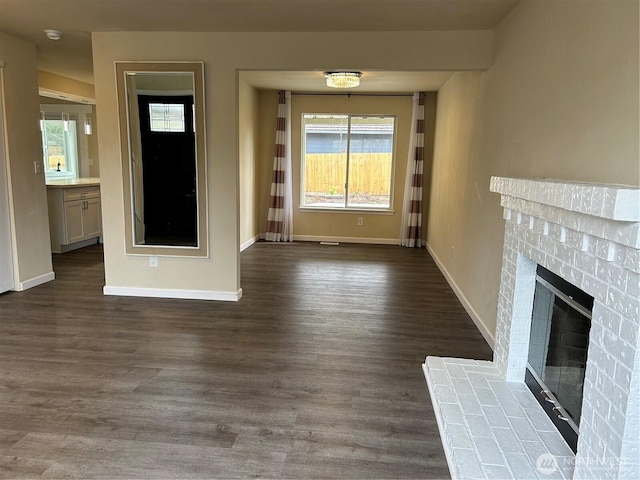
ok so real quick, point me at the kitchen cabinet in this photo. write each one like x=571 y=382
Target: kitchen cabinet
x=74 y=216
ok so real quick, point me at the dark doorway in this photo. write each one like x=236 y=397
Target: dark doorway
x=169 y=169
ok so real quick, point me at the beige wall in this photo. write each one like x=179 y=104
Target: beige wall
x=94 y=153
x=73 y=89
x=560 y=101
x=268 y=111
x=248 y=128
x=224 y=55
x=28 y=196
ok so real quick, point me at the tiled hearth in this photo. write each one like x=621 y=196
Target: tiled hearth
x=491 y=426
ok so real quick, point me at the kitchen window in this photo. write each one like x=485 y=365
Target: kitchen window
x=348 y=161
x=60 y=148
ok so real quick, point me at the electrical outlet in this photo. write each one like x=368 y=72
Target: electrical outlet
x=91 y=162
x=153 y=262
x=451 y=251
x=37 y=166
x=360 y=221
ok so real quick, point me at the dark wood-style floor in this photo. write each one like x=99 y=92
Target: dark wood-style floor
x=315 y=373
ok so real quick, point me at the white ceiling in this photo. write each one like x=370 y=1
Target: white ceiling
x=71 y=56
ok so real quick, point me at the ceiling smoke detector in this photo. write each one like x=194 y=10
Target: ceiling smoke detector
x=53 y=34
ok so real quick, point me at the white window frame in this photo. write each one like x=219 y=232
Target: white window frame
x=71 y=149
x=78 y=113
x=168 y=121
x=346 y=207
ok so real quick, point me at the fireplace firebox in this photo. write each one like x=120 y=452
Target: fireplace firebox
x=558 y=344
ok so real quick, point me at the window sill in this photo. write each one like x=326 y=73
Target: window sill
x=59 y=176
x=375 y=211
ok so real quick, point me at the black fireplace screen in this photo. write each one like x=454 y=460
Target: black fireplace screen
x=558 y=344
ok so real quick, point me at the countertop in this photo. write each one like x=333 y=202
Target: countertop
x=74 y=182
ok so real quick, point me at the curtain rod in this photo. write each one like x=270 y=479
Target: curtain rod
x=353 y=94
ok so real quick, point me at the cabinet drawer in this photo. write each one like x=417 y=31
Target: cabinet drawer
x=80 y=193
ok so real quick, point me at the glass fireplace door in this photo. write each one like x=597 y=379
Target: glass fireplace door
x=558 y=344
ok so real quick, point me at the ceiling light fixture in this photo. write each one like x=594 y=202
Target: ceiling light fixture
x=343 y=79
x=53 y=34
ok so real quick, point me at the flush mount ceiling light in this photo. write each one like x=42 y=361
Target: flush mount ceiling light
x=53 y=34
x=343 y=79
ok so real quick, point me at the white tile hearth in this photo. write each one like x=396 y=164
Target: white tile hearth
x=496 y=430
x=588 y=234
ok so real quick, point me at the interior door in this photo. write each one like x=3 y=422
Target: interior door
x=6 y=249
x=169 y=173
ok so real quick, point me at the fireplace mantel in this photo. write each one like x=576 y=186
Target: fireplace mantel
x=588 y=234
x=612 y=202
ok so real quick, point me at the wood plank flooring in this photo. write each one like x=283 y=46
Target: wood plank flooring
x=315 y=373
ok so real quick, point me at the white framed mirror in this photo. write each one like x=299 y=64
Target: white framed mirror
x=162 y=136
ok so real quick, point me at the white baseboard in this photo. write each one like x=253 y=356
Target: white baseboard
x=372 y=241
x=77 y=245
x=35 y=281
x=172 y=293
x=488 y=336
x=249 y=242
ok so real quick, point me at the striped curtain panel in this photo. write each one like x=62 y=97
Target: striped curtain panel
x=280 y=218
x=411 y=229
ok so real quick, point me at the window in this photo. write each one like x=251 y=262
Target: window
x=60 y=148
x=166 y=117
x=347 y=161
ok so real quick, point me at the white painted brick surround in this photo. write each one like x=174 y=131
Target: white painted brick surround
x=490 y=428
x=588 y=234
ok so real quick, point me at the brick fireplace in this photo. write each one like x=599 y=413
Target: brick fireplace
x=588 y=234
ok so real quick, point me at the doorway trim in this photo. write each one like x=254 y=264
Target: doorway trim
x=7 y=250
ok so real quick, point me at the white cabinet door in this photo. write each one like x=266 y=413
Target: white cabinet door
x=92 y=223
x=73 y=221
